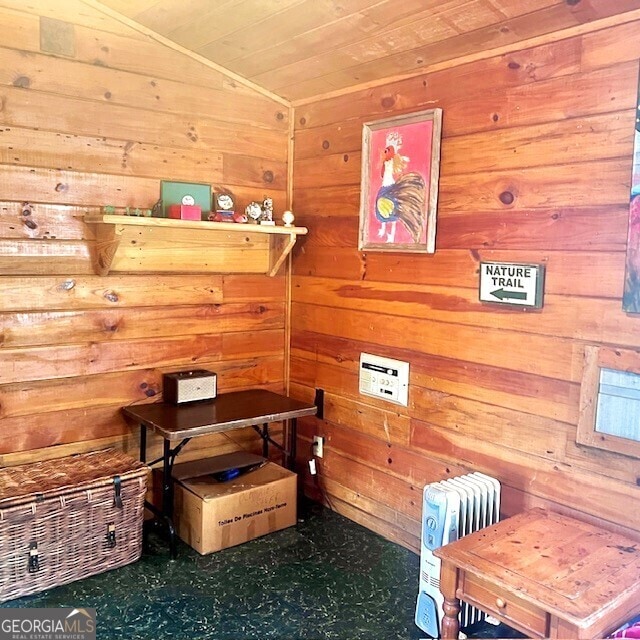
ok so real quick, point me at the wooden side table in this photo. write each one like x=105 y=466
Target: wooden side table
x=547 y=575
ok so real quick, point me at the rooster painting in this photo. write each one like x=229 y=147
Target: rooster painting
x=399 y=196
x=402 y=195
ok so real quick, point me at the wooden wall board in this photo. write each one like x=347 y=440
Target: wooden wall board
x=44 y=149
x=51 y=293
x=54 y=186
x=594 y=494
x=470 y=107
x=19 y=30
x=332 y=364
x=606 y=179
x=105 y=127
x=243 y=288
x=73 y=11
x=31 y=329
x=44 y=73
x=338 y=262
x=567 y=272
x=122 y=388
x=546 y=230
x=491 y=389
x=551 y=356
x=521 y=67
x=384 y=424
x=395 y=459
x=24 y=108
x=71 y=360
x=580 y=318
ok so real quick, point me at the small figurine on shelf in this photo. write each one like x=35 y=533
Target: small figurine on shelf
x=240 y=217
x=254 y=212
x=288 y=218
x=267 y=212
x=223 y=203
x=157 y=211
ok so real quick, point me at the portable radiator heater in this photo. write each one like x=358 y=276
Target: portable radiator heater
x=451 y=509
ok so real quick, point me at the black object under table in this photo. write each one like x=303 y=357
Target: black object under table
x=255 y=408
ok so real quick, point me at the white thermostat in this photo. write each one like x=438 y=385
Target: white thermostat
x=384 y=378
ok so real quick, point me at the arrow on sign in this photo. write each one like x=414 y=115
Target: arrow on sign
x=501 y=294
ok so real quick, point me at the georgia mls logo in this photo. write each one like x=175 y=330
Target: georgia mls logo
x=48 y=624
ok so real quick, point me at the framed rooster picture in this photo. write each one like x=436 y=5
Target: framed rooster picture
x=399 y=187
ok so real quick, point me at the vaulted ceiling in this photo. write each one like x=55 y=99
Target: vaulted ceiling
x=298 y=49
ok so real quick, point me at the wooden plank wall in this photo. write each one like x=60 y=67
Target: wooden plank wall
x=548 y=130
x=103 y=124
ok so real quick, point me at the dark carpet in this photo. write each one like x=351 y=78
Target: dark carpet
x=326 y=578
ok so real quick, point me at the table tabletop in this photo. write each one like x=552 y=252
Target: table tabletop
x=227 y=411
x=572 y=569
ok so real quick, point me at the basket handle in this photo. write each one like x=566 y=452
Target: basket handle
x=117 y=490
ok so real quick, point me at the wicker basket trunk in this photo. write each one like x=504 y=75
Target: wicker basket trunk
x=67 y=519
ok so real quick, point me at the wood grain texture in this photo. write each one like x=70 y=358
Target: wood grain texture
x=104 y=127
x=323 y=47
x=536 y=154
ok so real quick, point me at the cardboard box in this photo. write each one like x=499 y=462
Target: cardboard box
x=211 y=515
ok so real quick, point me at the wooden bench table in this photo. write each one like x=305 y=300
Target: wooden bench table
x=544 y=574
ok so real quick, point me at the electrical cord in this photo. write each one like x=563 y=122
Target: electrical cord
x=317 y=481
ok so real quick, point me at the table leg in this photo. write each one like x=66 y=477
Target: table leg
x=167 y=502
x=293 y=443
x=265 y=440
x=448 y=586
x=143 y=443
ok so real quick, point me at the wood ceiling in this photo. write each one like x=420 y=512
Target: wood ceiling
x=298 y=49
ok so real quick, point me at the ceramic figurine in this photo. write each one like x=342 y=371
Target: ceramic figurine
x=267 y=210
x=288 y=218
x=254 y=212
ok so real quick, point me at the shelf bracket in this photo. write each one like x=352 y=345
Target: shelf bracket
x=278 y=256
x=108 y=238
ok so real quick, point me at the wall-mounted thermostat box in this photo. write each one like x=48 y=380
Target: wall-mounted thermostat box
x=384 y=378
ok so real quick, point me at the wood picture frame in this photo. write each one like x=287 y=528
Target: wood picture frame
x=597 y=358
x=631 y=295
x=399 y=183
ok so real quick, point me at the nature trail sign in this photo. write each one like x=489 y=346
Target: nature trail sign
x=512 y=283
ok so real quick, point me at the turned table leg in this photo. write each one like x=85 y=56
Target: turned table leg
x=448 y=586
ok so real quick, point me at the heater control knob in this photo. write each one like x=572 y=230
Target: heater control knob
x=432 y=523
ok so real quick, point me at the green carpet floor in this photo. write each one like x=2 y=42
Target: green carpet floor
x=326 y=578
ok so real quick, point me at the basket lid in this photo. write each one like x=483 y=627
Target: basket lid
x=52 y=478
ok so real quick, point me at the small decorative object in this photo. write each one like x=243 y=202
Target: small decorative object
x=136 y=212
x=107 y=210
x=156 y=212
x=288 y=218
x=224 y=202
x=267 y=212
x=186 y=194
x=240 y=217
x=188 y=210
x=221 y=216
x=254 y=212
x=400 y=167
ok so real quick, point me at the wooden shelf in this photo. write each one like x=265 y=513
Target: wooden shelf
x=138 y=244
